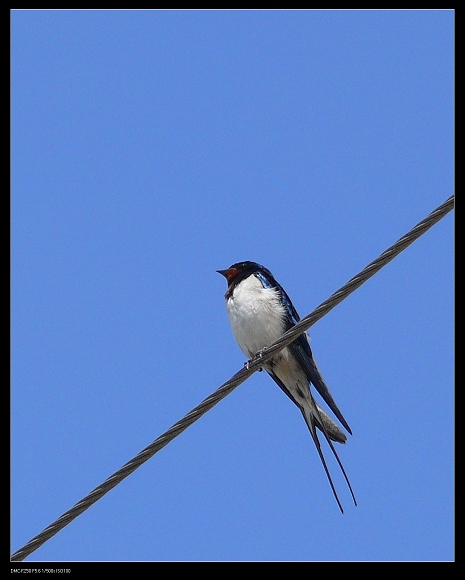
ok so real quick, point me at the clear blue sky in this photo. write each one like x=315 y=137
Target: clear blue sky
x=151 y=148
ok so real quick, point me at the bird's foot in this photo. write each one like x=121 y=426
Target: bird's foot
x=259 y=354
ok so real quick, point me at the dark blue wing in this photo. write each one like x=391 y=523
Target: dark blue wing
x=301 y=350
x=303 y=354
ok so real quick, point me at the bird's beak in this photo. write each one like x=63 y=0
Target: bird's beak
x=223 y=273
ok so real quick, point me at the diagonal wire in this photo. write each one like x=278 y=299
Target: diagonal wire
x=235 y=381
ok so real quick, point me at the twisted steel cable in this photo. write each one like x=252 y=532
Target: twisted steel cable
x=227 y=387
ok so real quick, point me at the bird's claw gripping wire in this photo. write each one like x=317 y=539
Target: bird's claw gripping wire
x=260 y=355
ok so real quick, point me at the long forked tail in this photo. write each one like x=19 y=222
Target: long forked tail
x=316 y=417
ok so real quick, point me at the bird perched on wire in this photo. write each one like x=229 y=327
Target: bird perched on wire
x=260 y=312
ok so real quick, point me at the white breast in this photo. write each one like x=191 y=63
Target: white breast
x=256 y=315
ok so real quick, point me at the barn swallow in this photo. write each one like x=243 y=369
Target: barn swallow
x=260 y=312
